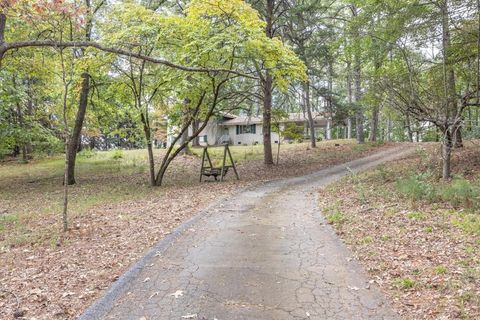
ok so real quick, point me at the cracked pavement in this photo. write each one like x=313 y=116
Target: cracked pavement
x=264 y=253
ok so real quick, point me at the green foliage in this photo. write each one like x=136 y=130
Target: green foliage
x=86 y=154
x=416 y=216
x=417 y=187
x=460 y=192
x=440 y=269
x=117 y=154
x=293 y=132
x=469 y=222
x=405 y=283
x=336 y=218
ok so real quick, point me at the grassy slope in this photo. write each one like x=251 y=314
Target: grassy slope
x=418 y=237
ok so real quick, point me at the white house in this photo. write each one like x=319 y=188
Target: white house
x=245 y=130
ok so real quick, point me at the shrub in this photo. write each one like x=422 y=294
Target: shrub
x=117 y=154
x=460 y=192
x=86 y=154
x=417 y=187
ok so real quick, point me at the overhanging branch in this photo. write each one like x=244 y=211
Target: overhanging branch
x=4 y=47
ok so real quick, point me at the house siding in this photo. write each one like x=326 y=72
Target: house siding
x=248 y=138
x=217 y=129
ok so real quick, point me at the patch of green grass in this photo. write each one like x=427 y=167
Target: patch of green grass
x=468 y=222
x=366 y=240
x=470 y=249
x=7 y=220
x=385 y=237
x=336 y=218
x=361 y=147
x=405 y=283
x=416 y=216
x=117 y=154
x=428 y=229
x=440 y=269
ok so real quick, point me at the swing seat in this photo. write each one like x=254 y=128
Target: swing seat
x=211 y=171
x=214 y=172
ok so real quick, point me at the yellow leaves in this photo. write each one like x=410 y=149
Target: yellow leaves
x=279 y=59
x=231 y=11
x=211 y=34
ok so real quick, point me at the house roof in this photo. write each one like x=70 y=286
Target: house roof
x=227 y=115
x=318 y=118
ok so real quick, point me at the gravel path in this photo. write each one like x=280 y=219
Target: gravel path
x=265 y=253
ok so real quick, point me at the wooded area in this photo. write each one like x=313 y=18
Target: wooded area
x=104 y=105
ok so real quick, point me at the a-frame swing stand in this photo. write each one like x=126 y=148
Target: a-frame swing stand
x=208 y=170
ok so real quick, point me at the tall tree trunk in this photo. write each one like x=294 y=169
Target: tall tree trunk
x=374 y=124
x=446 y=154
x=29 y=113
x=196 y=140
x=457 y=136
x=66 y=133
x=267 y=87
x=65 y=187
x=408 y=126
x=329 y=115
x=357 y=75
x=3 y=21
x=77 y=128
x=267 y=119
x=349 y=128
x=328 y=129
x=311 y=123
x=23 y=146
x=451 y=111
x=82 y=105
x=389 y=129
x=350 y=99
x=184 y=138
x=148 y=137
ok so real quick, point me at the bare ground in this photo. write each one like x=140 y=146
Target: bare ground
x=43 y=279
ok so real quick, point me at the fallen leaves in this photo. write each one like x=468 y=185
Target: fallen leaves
x=428 y=267
x=109 y=236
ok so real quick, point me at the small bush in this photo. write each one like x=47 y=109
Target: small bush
x=117 y=154
x=460 y=192
x=86 y=154
x=417 y=187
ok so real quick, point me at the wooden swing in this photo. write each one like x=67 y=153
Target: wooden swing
x=208 y=170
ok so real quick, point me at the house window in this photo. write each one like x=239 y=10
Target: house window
x=205 y=138
x=241 y=129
